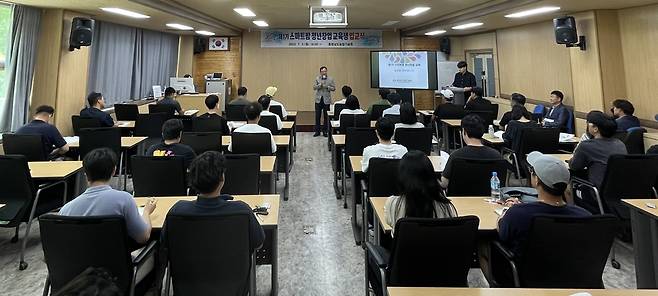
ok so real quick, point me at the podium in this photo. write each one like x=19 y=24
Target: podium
x=459 y=98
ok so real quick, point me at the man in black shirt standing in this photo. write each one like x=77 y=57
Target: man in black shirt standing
x=464 y=79
x=95 y=110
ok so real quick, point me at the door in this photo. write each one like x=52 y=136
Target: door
x=485 y=75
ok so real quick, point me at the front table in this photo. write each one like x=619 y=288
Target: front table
x=644 y=222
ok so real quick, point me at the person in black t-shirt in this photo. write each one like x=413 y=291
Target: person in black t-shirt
x=53 y=142
x=472 y=131
x=520 y=119
x=464 y=79
x=212 y=102
x=172 y=131
x=476 y=102
x=170 y=99
x=95 y=110
x=516 y=100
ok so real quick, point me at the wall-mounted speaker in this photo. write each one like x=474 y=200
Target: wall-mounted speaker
x=566 y=33
x=444 y=45
x=82 y=31
x=200 y=44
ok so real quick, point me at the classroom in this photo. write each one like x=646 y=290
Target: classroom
x=328 y=147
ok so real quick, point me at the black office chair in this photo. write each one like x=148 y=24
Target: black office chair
x=202 y=142
x=415 y=139
x=126 y=112
x=634 y=140
x=447 y=111
x=377 y=111
x=583 y=243
x=486 y=115
x=200 y=125
x=246 y=143
x=242 y=174
x=392 y=117
x=189 y=240
x=72 y=244
x=23 y=199
x=103 y=137
x=337 y=109
x=168 y=109
x=83 y=122
x=278 y=110
x=426 y=253
x=544 y=140
x=30 y=146
x=472 y=177
x=158 y=175
x=382 y=181
x=235 y=113
x=353 y=120
x=270 y=123
x=150 y=125
x=187 y=122
x=356 y=139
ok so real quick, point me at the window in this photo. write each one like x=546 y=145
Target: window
x=5 y=30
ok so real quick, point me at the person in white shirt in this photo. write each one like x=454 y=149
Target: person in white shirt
x=271 y=91
x=408 y=118
x=395 y=100
x=253 y=110
x=385 y=149
x=266 y=102
x=351 y=106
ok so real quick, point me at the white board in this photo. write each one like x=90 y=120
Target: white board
x=445 y=72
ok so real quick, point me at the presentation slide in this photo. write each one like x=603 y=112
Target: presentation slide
x=403 y=69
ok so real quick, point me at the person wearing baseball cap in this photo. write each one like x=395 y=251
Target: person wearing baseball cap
x=448 y=110
x=270 y=91
x=549 y=176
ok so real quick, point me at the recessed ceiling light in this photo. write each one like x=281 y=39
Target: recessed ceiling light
x=260 y=23
x=467 y=26
x=390 y=23
x=244 y=12
x=540 y=10
x=437 y=32
x=416 y=11
x=124 y=12
x=180 y=27
x=330 y=2
x=205 y=33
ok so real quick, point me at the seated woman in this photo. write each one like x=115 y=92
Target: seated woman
x=351 y=106
x=520 y=119
x=408 y=118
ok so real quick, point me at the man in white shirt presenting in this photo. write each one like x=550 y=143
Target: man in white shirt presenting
x=385 y=149
x=252 y=111
x=265 y=102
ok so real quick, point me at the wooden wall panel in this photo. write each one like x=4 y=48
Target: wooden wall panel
x=610 y=51
x=228 y=62
x=423 y=98
x=639 y=32
x=586 y=67
x=47 y=64
x=293 y=70
x=185 y=55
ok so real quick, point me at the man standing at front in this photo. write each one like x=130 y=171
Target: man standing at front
x=464 y=79
x=323 y=87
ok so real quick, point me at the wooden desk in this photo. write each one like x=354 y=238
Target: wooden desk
x=195 y=101
x=338 y=140
x=563 y=157
x=450 y=128
x=286 y=125
x=53 y=170
x=426 y=112
x=126 y=142
x=402 y=291
x=644 y=223
x=494 y=141
x=125 y=124
x=437 y=163
x=292 y=113
x=268 y=174
x=279 y=140
x=269 y=222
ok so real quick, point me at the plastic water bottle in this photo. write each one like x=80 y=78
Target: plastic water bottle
x=491 y=130
x=495 y=186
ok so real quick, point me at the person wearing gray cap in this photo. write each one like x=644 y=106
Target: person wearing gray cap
x=550 y=177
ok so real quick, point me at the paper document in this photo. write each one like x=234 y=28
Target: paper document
x=70 y=140
x=564 y=137
x=191 y=112
x=499 y=134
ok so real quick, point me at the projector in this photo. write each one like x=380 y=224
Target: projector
x=323 y=16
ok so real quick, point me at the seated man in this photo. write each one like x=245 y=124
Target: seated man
x=558 y=115
x=593 y=154
x=271 y=91
x=448 y=110
x=172 y=131
x=265 y=102
x=100 y=199
x=170 y=99
x=476 y=102
x=395 y=100
x=212 y=102
x=95 y=109
x=346 y=91
x=623 y=111
x=53 y=142
x=242 y=97
x=549 y=176
x=207 y=178
x=383 y=101
x=516 y=100
x=385 y=128
x=253 y=111
x=473 y=128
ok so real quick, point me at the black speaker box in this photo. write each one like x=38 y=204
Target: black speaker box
x=565 y=30
x=82 y=31
x=444 y=45
x=200 y=44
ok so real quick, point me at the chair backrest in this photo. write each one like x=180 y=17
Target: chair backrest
x=190 y=240
x=202 y=142
x=72 y=244
x=276 y=109
x=246 y=143
x=358 y=138
x=126 y=112
x=383 y=177
x=432 y=252
x=392 y=117
x=18 y=190
x=377 y=111
x=168 y=109
x=158 y=175
x=242 y=174
x=150 y=125
x=187 y=122
x=494 y=110
x=628 y=177
x=206 y=125
x=486 y=115
x=571 y=126
x=451 y=111
x=472 y=177
x=634 y=140
x=269 y=122
x=83 y=122
x=415 y=139
x=235 y=113
x=353 y=120
x=102 y=137
x=583 y=244
x=30 y=146
x=337 y=109
x=544 y=140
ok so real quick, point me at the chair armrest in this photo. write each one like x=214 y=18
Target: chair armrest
x=577 y=183
x=582 y=182
x=49 y=185
x=147 y=251
x=508 y=150
x=509 y=257
x=379 y=254
x=561 y=151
